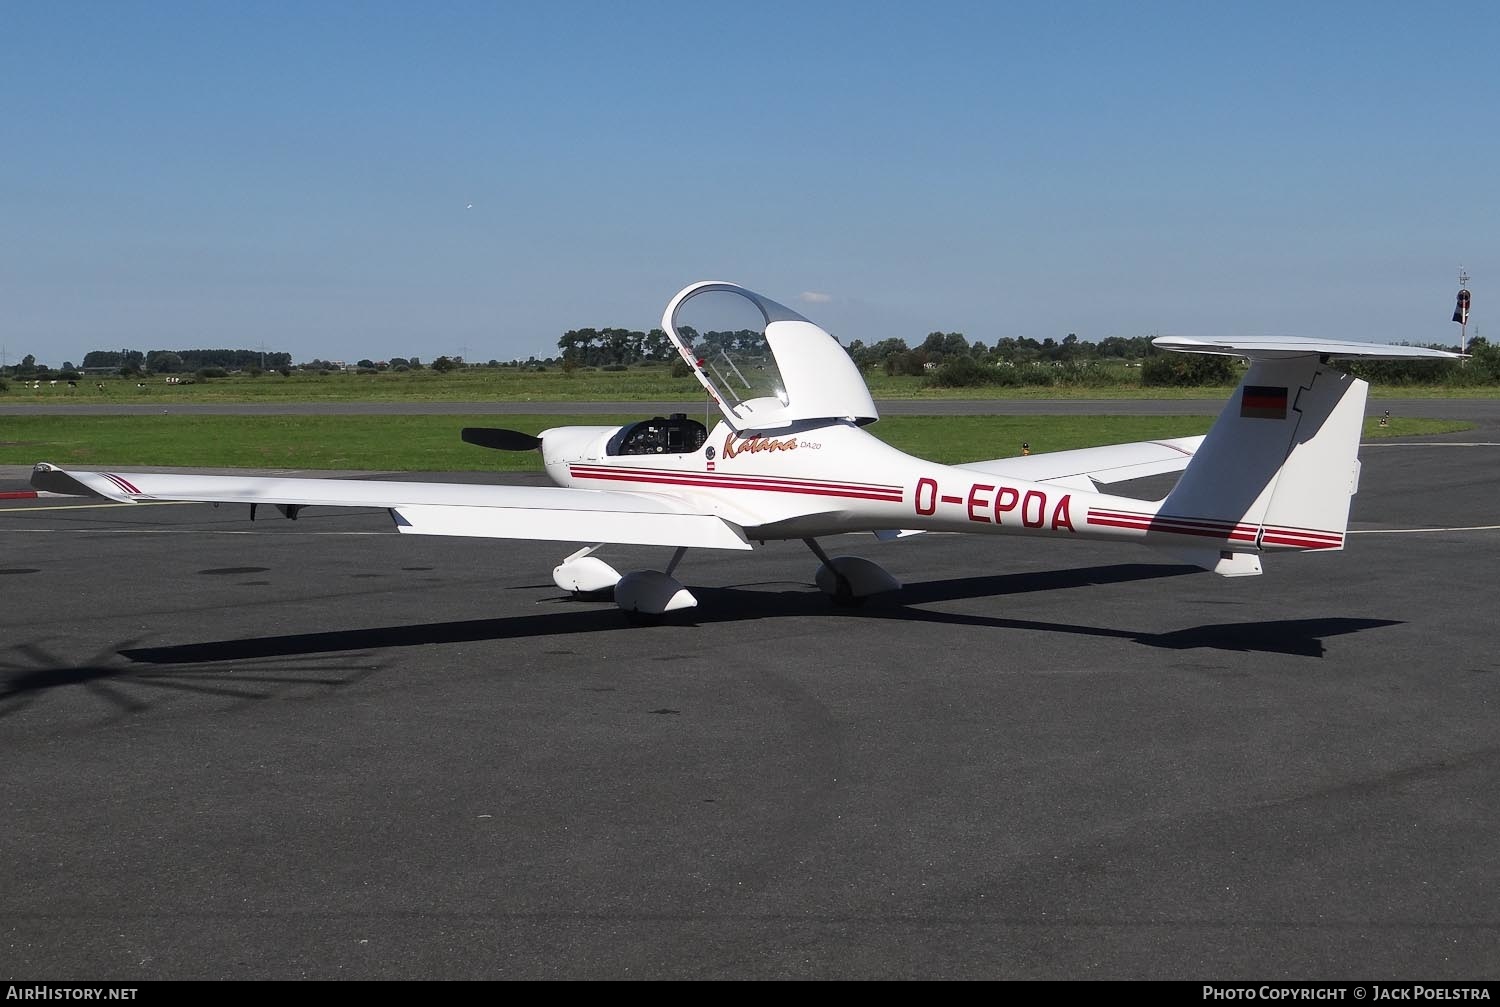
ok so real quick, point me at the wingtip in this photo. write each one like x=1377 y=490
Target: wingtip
x=49 y=478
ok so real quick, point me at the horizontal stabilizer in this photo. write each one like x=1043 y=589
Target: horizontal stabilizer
x=1283 y=347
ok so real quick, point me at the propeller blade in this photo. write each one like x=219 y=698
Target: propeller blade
x=499 y=439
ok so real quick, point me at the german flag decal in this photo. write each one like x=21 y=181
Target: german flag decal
x=1263 y=402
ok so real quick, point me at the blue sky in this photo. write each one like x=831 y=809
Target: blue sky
x=300 y=175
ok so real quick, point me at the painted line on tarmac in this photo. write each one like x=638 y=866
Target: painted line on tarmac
x=97 y=506
x=1422 y=531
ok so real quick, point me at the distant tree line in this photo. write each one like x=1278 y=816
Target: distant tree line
x=1482 y=368
x=599 y=347
x=945 y=359
x=186 y=361
x=895 y=356
x=948 y=359
x=29 y=368
x=133 y=360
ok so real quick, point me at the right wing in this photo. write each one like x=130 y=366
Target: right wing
x=1084 y=468
x=553 y=513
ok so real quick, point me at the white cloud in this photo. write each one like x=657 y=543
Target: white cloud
x=814 y=297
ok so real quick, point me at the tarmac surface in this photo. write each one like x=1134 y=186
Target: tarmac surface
x=320 y=749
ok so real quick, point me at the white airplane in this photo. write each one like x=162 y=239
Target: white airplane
x=790 y=459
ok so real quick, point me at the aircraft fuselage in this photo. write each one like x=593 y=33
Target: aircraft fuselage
x=836 y=477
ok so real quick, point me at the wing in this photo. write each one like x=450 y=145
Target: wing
x=1084 y=468
x=554 y=513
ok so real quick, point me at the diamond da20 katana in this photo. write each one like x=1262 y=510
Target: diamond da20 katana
x=790 y=458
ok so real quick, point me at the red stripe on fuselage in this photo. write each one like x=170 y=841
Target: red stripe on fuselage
x=1277 y=535
x=1170 y=523
x=1302 y=538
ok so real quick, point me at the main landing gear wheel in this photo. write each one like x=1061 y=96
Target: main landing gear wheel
x=849 y=580
x=643 y=595
x=582 y=575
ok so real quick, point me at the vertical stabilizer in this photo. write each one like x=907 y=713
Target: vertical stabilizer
x=1282 y=457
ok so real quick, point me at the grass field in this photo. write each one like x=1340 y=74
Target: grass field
x=506 y=384
x=431 y=443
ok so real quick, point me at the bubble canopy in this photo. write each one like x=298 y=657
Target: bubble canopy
x=764 y=364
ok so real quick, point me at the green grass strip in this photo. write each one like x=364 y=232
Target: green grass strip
x=431 y=443
x=636 y=384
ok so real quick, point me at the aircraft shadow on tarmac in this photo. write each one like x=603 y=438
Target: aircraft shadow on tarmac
x=1297 y=637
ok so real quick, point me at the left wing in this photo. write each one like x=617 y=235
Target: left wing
x=553 y=513
x=1083 y=468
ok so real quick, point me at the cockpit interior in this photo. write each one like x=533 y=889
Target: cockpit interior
x=670 y=435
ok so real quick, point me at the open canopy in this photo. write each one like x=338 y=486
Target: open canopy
x=764 y=364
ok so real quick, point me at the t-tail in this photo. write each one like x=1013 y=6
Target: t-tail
x=1280 y=464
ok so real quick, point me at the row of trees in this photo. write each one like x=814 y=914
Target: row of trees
x=598 y=347
x=602 y=347
x=1482 y=368
x=896 y=357
x=29 y=368
x=393 y=364
x=1166 y=369
x=945 y=358
x=186 y=361
x=219 y=363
